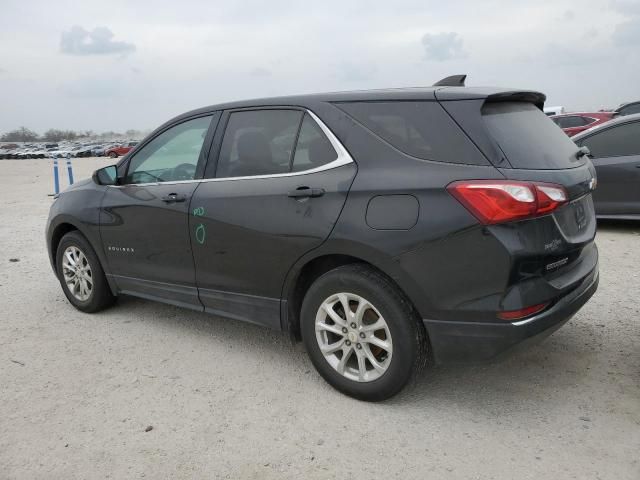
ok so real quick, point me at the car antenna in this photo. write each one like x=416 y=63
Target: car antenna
x=451 y=81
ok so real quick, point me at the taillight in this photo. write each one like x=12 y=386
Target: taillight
x=522 y=313
x=498 y=201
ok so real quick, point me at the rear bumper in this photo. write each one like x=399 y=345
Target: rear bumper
x=470 y=342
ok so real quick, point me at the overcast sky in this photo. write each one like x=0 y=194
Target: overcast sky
x=117 y=64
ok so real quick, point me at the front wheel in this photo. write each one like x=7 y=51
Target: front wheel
x=361 y=333
x=81 y=275
x=113 y=154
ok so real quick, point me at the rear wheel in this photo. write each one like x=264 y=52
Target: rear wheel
x=361 y=333
x=81 y=275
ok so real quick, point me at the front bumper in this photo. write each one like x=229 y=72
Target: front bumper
x=471 y=342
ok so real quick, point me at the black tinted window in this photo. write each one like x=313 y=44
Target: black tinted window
x=617 y=141
x=630 y=109
x=527 y=138
x=420 y=129
x=573 y=121
x=258 y=142
x=313 y=148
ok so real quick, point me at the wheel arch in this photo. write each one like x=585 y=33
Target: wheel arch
x=63 y=225
x=57 y=233
x=316 y=263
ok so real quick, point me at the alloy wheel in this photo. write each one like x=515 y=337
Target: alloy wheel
x=353 y=337
x=77 y=273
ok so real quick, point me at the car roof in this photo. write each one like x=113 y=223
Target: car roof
x=388 y=94
x=610 y=123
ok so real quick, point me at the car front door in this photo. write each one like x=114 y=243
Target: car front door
x=615 y=153
x=144 y=220
x=276 y=191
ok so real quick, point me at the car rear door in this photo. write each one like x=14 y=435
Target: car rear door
x=272 y=193
x=615 y=153
x=144 y=221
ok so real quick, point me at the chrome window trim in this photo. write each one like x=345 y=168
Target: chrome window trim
x=343 y=159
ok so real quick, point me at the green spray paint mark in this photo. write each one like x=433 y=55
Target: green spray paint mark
x=201 y=234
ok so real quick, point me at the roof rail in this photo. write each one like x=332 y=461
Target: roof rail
x=451 y=81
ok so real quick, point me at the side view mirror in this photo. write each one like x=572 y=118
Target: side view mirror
x=106 y=176
x=584 y=150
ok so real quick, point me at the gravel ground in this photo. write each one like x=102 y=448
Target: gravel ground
x=231 y=400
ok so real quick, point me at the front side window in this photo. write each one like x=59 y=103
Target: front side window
x=617 y=141
x=258 y=142
x=171 y=156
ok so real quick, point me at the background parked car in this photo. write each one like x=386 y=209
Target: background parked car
x=81 y=151
x=99 y=150
x=615 y=151
x=61 y=152
x=628 y=108
x=119 y=150
x=573 y=123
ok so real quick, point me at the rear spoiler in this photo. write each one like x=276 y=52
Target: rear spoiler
x=489 y=94
x=536 y=98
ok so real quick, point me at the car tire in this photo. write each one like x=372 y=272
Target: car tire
x=399 y=350
x=113 y=154
x=81 y=275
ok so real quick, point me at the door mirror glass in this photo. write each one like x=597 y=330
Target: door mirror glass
x=106 y=176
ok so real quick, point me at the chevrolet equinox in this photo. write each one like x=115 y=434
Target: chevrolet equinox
x=386 y=229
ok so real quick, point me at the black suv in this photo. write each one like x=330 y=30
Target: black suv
x=386 y=229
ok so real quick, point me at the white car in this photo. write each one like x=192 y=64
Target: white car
x=548 y=111
x=61 y=153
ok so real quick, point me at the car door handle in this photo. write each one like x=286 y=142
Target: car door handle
x=306 y=192
x=174 y=198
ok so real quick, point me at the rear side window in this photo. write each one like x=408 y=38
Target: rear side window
x=527 y=137
x=417 y=128
x=258 y=142
x=618 y=141
x=313 y=148
x=630 y=109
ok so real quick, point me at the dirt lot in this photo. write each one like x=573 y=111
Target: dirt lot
x=229 y=400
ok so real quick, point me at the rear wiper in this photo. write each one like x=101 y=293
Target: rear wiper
x=582 y=151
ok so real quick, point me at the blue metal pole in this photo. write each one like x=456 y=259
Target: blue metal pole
x=70 y=170
x=56 y=179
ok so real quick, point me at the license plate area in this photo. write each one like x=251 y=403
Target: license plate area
x=577 y=220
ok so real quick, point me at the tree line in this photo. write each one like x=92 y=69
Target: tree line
x=24 y=134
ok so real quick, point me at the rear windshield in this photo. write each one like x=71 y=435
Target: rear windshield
x=417 y=128
x=528 y=138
